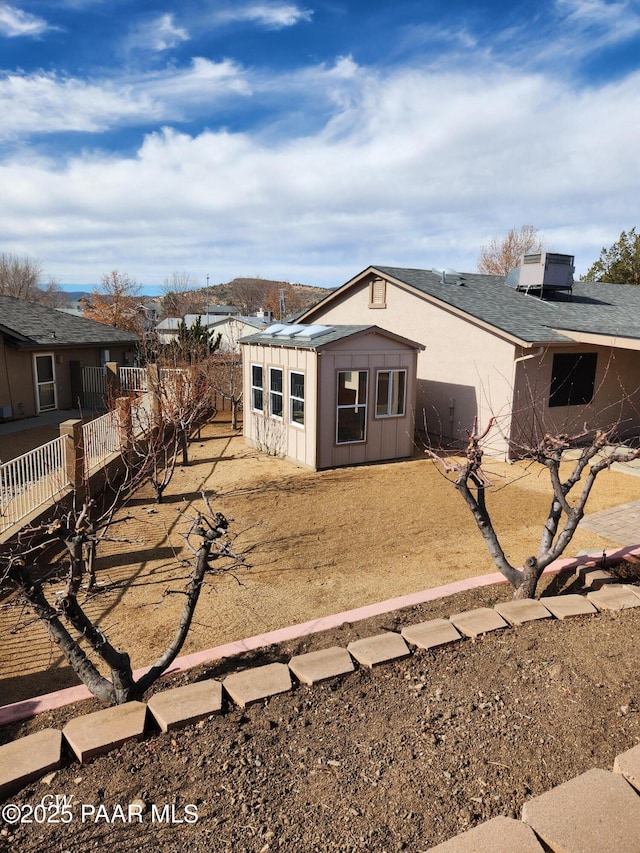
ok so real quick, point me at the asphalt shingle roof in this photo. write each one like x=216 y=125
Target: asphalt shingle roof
x=33 y=325
x=596 y=308
x=334 y=333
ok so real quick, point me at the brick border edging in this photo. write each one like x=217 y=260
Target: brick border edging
x=23 y=710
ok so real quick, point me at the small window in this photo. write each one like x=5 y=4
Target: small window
x=390 y=393
x=296 y=398
x=257 y=398
x=378 y=293
x=573 y=377
x=275 y=392
x=352 y=406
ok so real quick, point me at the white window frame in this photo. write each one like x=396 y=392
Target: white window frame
x=293 y=398
x=40 y=383
x=393 y=372
x=356 y=405
x=255 y=388
x=275 y=394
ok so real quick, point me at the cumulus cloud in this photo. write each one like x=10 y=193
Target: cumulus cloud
x=14 y=22
x=42 y=103
x=420 y=168
x=158 y=35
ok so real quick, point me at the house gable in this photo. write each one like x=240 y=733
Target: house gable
x=483 y=338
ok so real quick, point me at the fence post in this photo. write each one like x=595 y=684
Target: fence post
x=112 y=373
x=125 y=428
x=71 y=431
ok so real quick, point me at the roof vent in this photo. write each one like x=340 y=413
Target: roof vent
x=443 y=273
x=543 y=272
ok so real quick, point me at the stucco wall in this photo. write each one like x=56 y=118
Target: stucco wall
x=464 y=372
x=616 y=398
x=17 y=386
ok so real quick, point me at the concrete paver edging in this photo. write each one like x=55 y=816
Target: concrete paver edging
x=97 y=733
x=17 y=711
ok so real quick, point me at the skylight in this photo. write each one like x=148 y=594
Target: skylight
x=295 y=330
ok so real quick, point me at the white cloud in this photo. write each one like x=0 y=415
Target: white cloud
x=573 y=31
x=158 y=35
x=14 y=22
x=270 y=15
x=417 y=168
x=43 y=103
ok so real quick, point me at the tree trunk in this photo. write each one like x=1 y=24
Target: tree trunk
x=530 y=575
x=184 y=447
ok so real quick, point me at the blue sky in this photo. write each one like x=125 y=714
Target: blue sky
x=306 y=140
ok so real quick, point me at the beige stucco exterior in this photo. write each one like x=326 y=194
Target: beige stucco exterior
x=18 y=392
x=315 y=444
x=471 y=372
x=464 y=371
x=616 y=397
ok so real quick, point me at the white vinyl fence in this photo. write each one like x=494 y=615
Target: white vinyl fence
x=94 y=387
x=133 y=379
x=31 y=480
x=100 y=439
x=42 y=475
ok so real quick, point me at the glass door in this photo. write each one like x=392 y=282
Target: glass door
x=45 y=382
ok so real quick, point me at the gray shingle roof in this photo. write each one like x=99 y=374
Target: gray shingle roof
x=334 y=333
x=32 y=325
x=596 y=308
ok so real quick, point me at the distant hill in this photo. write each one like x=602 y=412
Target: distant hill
x=254 y=294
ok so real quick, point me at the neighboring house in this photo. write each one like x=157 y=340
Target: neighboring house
x=543 y=354
x=230 y=325
x=214 y=312
x=43 y=351
x=167 y=329
x=232 y=329
x=326 y=396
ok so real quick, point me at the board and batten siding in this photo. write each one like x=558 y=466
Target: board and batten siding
x=280 y=437
x=315 y=446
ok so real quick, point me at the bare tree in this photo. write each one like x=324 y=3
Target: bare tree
x=180 y=295
x=115 y=303
x=19 y=276
x=226 y=379
x=502 y=254
x=52 y=295
x=65 y=618
x=595 y=451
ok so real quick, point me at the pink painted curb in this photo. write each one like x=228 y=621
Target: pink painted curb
x=18 y=711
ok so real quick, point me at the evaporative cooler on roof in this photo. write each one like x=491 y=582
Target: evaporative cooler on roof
x=543 y=271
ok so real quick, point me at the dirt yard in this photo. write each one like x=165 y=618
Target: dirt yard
x=401 y=757
x=398 y=758
x=318 y=543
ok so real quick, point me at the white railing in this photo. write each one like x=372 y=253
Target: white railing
x=133 y=379
x=94 y=387
x=31 y=480
x=100 y=439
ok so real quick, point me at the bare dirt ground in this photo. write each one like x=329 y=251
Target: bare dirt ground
x=401 y=757
x=318 y=543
